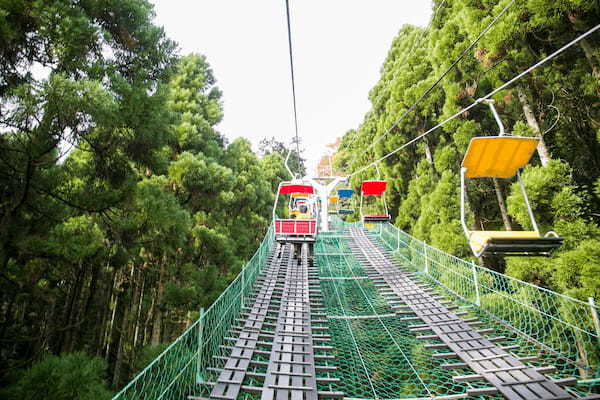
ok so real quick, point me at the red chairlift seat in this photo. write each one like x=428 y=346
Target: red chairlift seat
x=296 y=188
x=298 y=229
x=374 y=188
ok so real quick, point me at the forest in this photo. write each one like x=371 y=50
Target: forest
x=123 y=210
x=558 y=102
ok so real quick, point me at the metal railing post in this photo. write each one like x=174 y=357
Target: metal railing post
x=595 y=316
x=199 y=377
x=244 y=283
x=476 y=282
x=426 y=270
x=398 y=239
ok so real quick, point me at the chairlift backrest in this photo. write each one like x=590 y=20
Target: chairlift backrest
x=295 y=188
x=345 y=193
x=498 y=156
x=373 y=188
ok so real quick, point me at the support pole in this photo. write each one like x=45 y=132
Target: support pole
x=595 y=317
x=426 y=270
x=243 y=273
x=323 y=193
x=529 y=210
x=476 y=282
x=199 y=377
x=490 y=102
x=397 y=239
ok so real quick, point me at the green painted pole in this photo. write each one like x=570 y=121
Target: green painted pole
x=426 y=258
x=595 y=317
x=199 y=377
x=476 y=282
x=244 y=284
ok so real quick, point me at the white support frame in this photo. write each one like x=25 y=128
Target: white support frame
x=385 y=207
x=463 y=221
x=463 y=170
x=274 y=215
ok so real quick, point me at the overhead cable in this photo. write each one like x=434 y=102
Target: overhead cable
x=441 y=77
x=487 y=96
x=289 y=29
x=416 y=43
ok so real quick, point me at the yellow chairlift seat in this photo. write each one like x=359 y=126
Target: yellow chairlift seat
x=481 y=240
x=333 y=199
x=502 y=157
x=498 y=156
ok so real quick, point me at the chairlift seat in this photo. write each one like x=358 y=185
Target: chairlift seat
x=373 y=188
x=498 y=156
x=291 y=188
x=333 y=199
x=376 y=218
x=345 y=193
x=512 y=243
x=345 y=211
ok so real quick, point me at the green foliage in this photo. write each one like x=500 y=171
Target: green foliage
x=123 y=209
x=577 y=270
x=551 y=192
x=272 y=146
x=147 y=355
x=67 y=377
x=561 y=97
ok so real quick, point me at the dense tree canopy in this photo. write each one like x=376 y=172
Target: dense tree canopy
x=558 y=102
x=124 y=211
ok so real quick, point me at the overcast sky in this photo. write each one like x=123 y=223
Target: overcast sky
x=339 y=47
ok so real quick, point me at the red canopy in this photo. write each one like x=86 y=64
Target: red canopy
x=373 y=188
x=291 y=188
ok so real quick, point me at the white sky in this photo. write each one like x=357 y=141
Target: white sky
x=339 y=46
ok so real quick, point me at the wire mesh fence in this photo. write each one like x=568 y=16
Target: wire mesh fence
x=375 y=354
x=562 y=327
x=192 y=359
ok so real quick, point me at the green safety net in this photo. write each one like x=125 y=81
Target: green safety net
x=376 y=355
x=190 y=361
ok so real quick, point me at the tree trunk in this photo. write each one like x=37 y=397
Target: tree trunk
x=588 y=50
x=533 y=124
x=70 y=318
x=138 y=317
x=85 y=332
x=502 y=204
x=123 y=333
x=157 y=324
x=114 y=301
x=428 y=155
x=589 y=54
x=136 y=286
x=148 y=320
x=120 y=347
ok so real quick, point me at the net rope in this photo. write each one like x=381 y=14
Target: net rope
x=375 y=353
